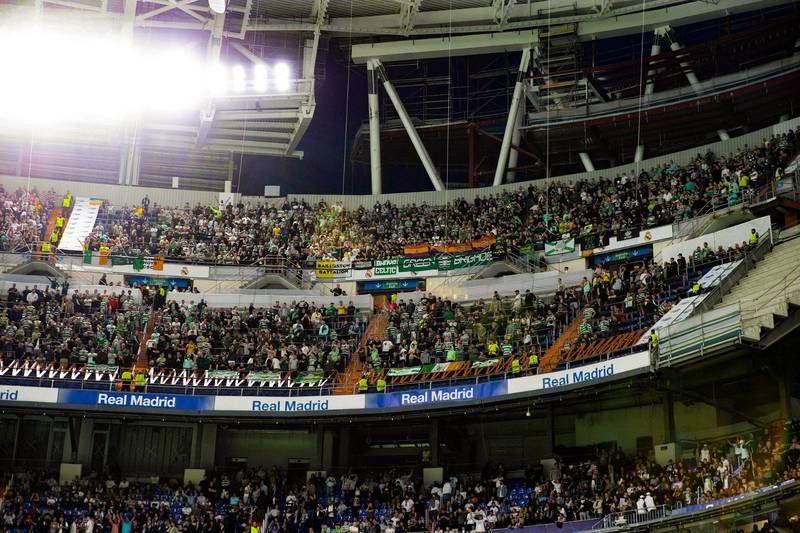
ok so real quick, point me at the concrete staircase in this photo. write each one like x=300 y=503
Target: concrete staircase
x=769 y=291
x=346 y=381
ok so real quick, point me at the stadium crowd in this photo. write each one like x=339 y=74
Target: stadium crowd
x=70 y=328
x=259 y=500
x=23 y=218
x=250 y=233
x=299 y=336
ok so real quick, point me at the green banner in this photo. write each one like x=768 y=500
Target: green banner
x=309 y=377
x=117 y=260
x=485 y=364
x=264 y=376
x=385 y=267
x=466 y=260
x=416 y=264
x=438 y=367
x=407 y=371
x=222 y=374
x=564 y=246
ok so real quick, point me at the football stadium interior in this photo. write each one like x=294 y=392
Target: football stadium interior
x=388 y=266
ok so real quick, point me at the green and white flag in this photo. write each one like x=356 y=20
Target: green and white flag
x=439 y=367
x=407 y=371
x=564 y=246
x=264 y=376
x=223 y=374
x=309 y=377
x=485 y=364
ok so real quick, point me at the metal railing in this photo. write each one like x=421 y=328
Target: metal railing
x=633 y=517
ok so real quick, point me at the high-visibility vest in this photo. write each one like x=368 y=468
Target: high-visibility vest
x=54 y=237
x=653 y=340
x=46 y=247
x=753 y=238
x=695 y=288
x=515 y=367
x=533 y=360
x=778 y=174
x=67 y=200
x=363 y=385
x=126 y=376
x=60 y=222
x=380 y=386
x=140 y=380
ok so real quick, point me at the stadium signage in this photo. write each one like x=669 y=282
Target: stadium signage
x=436 y=396
x=578 y=376
x=169 y=402
x=581 y=375
x=296 y=404
x=28 y=394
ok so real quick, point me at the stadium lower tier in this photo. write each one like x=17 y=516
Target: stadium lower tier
x=603 y=488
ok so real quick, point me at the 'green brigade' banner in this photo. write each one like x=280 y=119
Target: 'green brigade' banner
x=467 y=260
x=407 y=371
x=264 y=376
x=416 y=264
x=445 y=262
x=309 y=377
x=564 y=246
x=485 y=364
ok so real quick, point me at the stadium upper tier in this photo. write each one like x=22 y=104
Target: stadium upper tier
x=511 y=221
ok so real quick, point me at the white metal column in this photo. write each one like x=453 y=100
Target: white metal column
x=374 y=129
x=650 y=85
x=513 y=156
x=502 y=160
x=587 y=161
x=638 y=156
x=723 y=135
x=412 y=132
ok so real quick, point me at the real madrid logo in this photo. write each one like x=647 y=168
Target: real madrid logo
x=368 y=273
x=185 y=270
x=648 y=236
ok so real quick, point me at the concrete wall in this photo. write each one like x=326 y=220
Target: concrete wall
x=266 y=447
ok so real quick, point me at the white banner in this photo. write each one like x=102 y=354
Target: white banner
x=738 y=234
x=580 y=375
x=80 y=224
x=289 y=404
x=15 y=394
x=646 y=236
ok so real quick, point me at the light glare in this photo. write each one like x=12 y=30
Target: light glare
x=282 y=77
x=260 y=78
x=239 y=79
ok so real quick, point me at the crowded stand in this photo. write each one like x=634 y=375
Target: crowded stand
x=23 y=218
x=299 y=336
x=603 y=483
x=296 y=231
x=70 y=328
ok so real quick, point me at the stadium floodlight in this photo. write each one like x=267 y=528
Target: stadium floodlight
x=217 y=80
x=217 y=6
x=239 y=79
x=260 y=78
x=282 y=77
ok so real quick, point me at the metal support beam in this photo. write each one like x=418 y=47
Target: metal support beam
x=374 y=129
x=433 y=174
x=668 y=35
x=513 y=156
x=408 y=15
x=501 y=9
x=655 y=49
x=638 y=156
x=502 y=160
x=587 y=161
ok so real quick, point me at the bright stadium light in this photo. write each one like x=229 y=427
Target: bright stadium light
x=260 y=81
x=282 y=77
x=217 y=6
x=217 y=80
x=239 y=79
